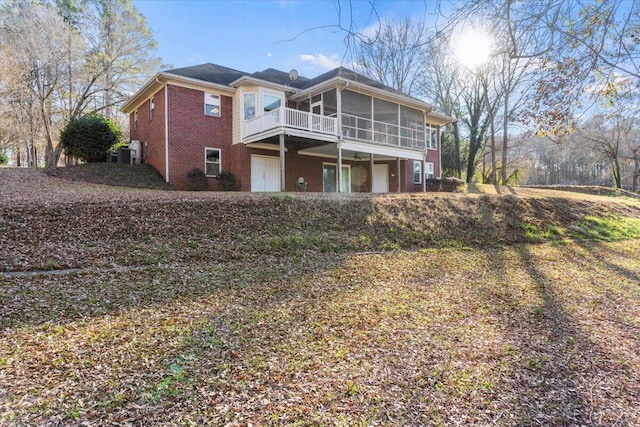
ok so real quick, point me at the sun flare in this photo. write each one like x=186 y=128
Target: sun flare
x=473 y=48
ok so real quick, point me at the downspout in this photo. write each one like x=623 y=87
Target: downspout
x=340 y=140
x=166 y=130
x=424 y=158
x=439 y=146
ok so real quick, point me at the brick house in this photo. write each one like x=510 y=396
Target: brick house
x=277 y=131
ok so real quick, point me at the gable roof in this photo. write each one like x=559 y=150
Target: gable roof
x=348 y=74
x=211 y=73
x=225 y=77
x=279 y=77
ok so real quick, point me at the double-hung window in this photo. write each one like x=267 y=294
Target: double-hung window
x=417 y=172
x=212 y=161
x=135 y=120
x=429 y=170
x=249 y=101
x=211 y=104
x=152 y=107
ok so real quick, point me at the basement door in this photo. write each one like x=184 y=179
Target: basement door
x=265 y=173
x=380 y=179
x=330 y=178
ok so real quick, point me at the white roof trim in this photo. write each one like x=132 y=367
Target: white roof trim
x=265 y=83
x=164 y=78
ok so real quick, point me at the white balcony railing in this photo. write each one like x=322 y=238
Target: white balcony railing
x=290 y=118
x=353 y=127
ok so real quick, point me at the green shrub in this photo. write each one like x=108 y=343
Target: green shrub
x=227 y=181
x=197 y=180
x=3 y=158
x=90 y=138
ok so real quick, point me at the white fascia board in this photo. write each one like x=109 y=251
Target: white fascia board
x=383 y=150
x=162 y=78
x=188 y=82
x=257 y=82
x=141 y=95
x=439 y=119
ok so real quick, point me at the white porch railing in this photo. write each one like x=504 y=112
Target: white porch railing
x=353 y=127
x=290 y=118
x=362 y=129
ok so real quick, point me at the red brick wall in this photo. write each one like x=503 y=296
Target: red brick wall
x=433 y=156
x=408 y=177
x=190 y=131
x=151 y=132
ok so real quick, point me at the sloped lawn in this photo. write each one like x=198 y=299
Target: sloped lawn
x=154 y=308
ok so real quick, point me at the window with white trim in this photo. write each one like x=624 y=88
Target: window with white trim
x=212 y=161
x=135 y=120
x=429 y=171
x=152 y=107
x=211 y=104
x=432 y=137
x=249 y=106
x=417 y=172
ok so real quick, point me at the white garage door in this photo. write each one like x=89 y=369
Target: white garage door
x=265 y=173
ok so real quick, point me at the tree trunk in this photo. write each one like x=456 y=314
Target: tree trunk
x=494 y=178
x=457 y=156
x=636 y=171
x=505 y=124
x=615 y=166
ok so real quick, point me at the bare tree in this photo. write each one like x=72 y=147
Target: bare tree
x=33 y=61
x=92 y=55
x=394 y=55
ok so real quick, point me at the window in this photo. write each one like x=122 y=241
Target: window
x=135 y=120
x=211 y=104
x=428 y=170
x=152 y=107
x=249 y=106
x=212 y=161
x=432 y=137
x=270 y=102
x=417 y=172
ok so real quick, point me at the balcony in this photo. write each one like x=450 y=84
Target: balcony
x=353 y=128
x=292 y=119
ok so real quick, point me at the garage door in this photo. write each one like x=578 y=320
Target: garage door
x=265 y=173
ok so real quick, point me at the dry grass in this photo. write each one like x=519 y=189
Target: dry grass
x=234 y=309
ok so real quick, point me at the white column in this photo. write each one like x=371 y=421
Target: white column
x=371 y=171
x=424 y=177
x=398 y=174
x=339 y=169
x=282 y=165
x=339 y=113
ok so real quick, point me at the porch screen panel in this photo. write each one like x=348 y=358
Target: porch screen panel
x=330 y=102
x=411 y=127
x=304 y=105
x=385 y=116
x=356 y=115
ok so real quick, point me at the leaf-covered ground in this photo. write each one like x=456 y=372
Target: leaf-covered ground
x=131 y=307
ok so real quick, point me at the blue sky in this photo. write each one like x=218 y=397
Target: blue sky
x=255 y=35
